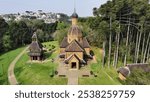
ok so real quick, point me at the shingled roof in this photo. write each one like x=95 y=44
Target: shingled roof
x=84 y=43
x=74 y=55
x=124 y=71
x=64 y=43
x=74 y=46
x=35 y=47
x=70 y=57
x=75 y=30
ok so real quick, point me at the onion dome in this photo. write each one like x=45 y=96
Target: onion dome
x=74 y=15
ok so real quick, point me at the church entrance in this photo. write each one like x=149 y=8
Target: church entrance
x=34 y=57
x=73 y=65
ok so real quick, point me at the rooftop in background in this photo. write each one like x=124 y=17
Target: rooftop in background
x=83 y=7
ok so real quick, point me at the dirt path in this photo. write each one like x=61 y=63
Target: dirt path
x=11 y=76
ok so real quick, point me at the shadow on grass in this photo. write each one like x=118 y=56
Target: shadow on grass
x=2 y=80
x=1 y=59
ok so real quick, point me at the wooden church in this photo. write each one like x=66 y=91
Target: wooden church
x=35 y=49
x=74 y=49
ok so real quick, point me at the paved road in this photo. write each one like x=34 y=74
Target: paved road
x=11 y=76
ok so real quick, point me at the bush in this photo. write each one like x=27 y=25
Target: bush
x=51 y=74
x=91 y=72
x=53 y=46
x=95 y=75
x=56 y=72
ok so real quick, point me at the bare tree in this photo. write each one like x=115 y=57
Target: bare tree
x=114 y=60
x=127 y=40
x=148 y=53
x=135 y=56
x=103 y=61
x=110 y=43
x=139 y=42
x=146 y=48
x=117 y=51
x=143 y=45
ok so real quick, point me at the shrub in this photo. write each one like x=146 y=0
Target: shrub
x=51 y=74
x=53 y=46
x=95 y=75
x=56 y=72
x=91 y=72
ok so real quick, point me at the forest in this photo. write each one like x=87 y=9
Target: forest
x=14 y=34
x=122 y=29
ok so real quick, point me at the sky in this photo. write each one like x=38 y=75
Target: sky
x=83 y=7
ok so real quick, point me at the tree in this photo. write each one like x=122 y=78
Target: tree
x=24 y=33
x=3 y=28
x=127 y=36
x=62 y=30
x=40 y=35
x=60 y=34
x=7 y=42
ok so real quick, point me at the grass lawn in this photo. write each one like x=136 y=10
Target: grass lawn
x=53 y=45
x=5 y=60
x=105 y=76
x=28 y=73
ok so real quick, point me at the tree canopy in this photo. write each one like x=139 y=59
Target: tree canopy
x=123 y=25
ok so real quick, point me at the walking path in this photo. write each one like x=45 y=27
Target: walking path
x=73 y=77
x=11 y=76
x=72 y=74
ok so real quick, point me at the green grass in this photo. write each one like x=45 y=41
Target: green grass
x=29 y=73
x=105 y=76
x=53 y=54
x=49 y=45
x=5 y=60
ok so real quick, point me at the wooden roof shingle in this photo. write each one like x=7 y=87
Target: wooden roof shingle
x=64 y=43
x=74 y=46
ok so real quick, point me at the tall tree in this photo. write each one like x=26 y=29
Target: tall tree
x=3 y=28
